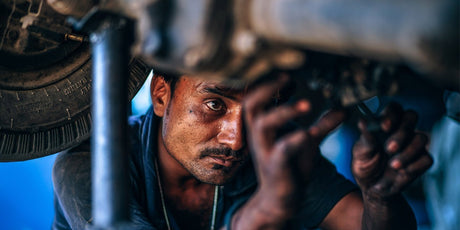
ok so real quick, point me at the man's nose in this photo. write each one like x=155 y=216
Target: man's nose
x=231 y=132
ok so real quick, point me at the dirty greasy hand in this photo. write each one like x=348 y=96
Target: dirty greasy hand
x=383 y=167
x=283 y=158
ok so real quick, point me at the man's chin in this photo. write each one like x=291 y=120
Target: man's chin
x=217 y=179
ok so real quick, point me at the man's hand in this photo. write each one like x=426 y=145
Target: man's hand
x=383 y=167
x=284 y=158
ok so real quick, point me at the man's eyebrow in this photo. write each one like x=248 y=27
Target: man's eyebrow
x=221 y=91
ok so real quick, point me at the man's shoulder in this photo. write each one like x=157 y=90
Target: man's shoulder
x=77 y=159
x=72 y=185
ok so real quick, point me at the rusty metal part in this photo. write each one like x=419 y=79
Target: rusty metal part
x=32 y=35
x=185 y=35
x=243 y=39
x=345 y=80
x=423 y=34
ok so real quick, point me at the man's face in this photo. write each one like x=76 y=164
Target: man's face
x=202 y=129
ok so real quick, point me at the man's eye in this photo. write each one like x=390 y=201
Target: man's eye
x=215 y=105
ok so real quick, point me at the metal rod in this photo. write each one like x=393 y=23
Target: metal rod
x=110 y=48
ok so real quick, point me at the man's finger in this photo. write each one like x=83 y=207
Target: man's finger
x=411 y=152
x=366 y=135
x=328 y=122
x=279 y=116
x=366 y=163
x=407 y=175
x=391 y=117
x=261 y=96
x=292 y=144
x=398 y=140
x=418 y=167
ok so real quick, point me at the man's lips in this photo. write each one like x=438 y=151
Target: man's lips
x=224 y=161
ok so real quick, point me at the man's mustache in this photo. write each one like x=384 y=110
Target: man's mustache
x=227 y=152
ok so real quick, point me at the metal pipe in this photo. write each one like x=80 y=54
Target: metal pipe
x=110 y=46
x=424 y=32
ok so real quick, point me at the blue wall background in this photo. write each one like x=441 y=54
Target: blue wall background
x=26 y=194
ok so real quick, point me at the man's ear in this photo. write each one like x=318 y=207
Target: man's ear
x=160 y=92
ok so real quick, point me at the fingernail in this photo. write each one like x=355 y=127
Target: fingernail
x=386 y=125
x=396 y=164
x=392 y=146
x=303 y=105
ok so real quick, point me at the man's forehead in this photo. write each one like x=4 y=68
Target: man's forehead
x=216 y=86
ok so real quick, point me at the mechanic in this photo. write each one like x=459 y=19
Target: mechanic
x=209 y=156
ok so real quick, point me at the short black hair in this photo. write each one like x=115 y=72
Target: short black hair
x=170 y=78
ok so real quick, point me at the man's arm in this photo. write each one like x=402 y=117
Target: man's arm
x=72 y=188
x=349 y=212
x=346 y=214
